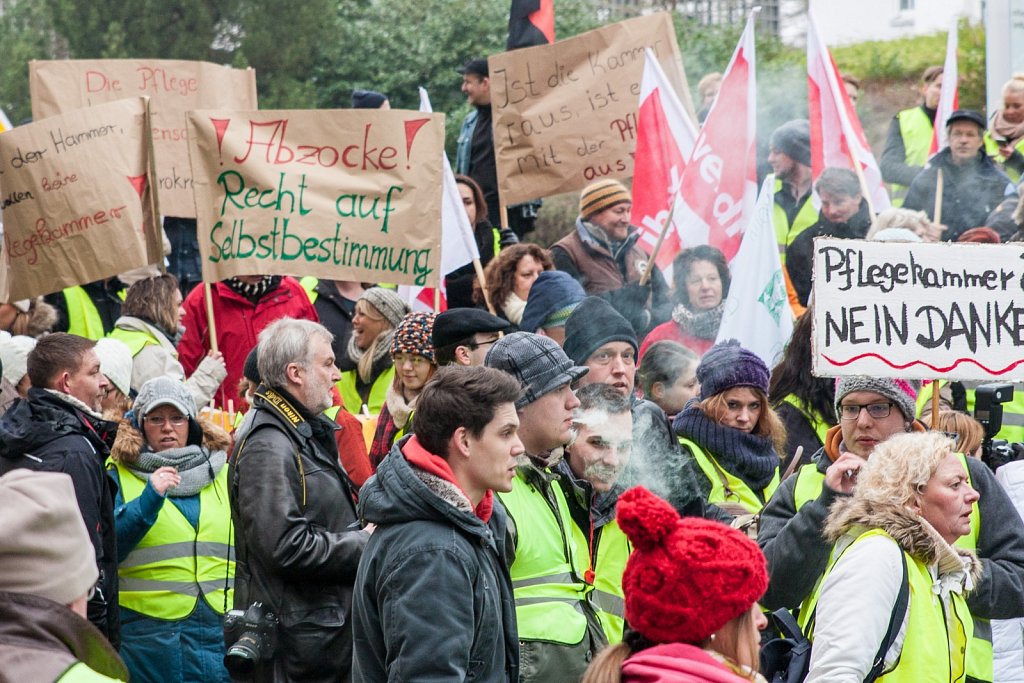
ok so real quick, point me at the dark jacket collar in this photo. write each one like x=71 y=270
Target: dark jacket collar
x=43 y=417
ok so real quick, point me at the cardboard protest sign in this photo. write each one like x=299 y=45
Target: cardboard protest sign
x=77 y=197
x=173 y=87
x=345 y=195
x=918 y=311
x=564 y=114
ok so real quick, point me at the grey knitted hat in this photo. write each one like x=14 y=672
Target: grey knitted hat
x=164 y=391
x=793 y=139
x=538 y=362
x=389 y=304
x=899 y=391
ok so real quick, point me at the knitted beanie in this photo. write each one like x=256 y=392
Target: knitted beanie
x=899 y=391
x=14 y=356
x=45 y=546
x=250 y=370
x=115 y=363
x=793 y=139
x=727 y=365
x=368 y=99
x=165 y=391
x=593 y=324
x=980 y=235
x=413 y=335
x=552 y=298
x=598 y=196
x=387 y=303
x=686 y=578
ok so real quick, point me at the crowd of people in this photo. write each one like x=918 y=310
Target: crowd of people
x=565 y=476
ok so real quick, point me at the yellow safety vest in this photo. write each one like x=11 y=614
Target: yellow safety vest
x=786 y=233
x=1013 y=412
x=725 y=486
x=809 y=483
x=816 y=421
x=917 y=131
x=83 y=318
x=613 y=549
x=932 y=635
x=174 y=562
x=309 y=284
x=552 y=557
x=378 y=391
x=135 y=340
x=992 y=150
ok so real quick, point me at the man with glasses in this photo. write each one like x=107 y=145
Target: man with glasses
x=463 y=336
x=871 y=409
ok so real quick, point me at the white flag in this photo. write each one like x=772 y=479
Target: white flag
x=757 y=312
x=949 y=99
x=458 y=246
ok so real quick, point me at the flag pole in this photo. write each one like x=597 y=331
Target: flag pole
x=645 y=278
x=479 y=268
x=207 y=294
x=938 y=219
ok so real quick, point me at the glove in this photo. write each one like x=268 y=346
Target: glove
x=506 y=238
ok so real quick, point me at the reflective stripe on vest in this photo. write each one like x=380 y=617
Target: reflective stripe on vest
x=737 y=492
x=936 y=644
x=378 y=391
x=549 y=592
x=309 y=284
x=784 y=232
x=816 y=421
x=83 y=317
x=917 y=132
x=163 y=576
x=613 y=550
x=135 y=340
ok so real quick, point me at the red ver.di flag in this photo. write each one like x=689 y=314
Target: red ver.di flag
x=719 y=185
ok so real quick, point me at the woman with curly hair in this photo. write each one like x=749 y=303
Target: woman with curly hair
x=509 y=278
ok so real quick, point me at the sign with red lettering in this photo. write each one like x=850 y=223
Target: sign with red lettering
x=173 y=86
x=344 y=195
x=78 y=198
x=564 y=114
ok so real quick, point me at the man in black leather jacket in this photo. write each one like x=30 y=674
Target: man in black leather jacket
x=297 y=535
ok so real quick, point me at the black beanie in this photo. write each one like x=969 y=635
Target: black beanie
x=793 y=139
x=249 y=370
x=593 y=324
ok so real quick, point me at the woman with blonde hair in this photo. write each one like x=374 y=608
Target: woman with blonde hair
x=968 y=432
x=509 y=278
x=690 y=589
x=730 y=430
x=1004 y=139
x=894 y=562
x=378 y=312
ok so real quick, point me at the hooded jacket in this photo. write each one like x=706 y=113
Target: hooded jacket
x=797 y=551
x=434 y=561
x=848 y=633
x=297 y=538
x=52 y=432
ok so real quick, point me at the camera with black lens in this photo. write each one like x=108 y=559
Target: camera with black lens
x=988 y=410
x=251 y=638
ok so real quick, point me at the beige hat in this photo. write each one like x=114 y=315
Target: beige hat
x=115 y=363
x=14 y=356
x=45 y=548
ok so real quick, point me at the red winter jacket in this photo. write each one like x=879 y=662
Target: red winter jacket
x=238 y=324
x=671 y=331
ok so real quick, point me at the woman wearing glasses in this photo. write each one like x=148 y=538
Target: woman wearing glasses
x=413 y=355
x=174 y=540
x=730 y=430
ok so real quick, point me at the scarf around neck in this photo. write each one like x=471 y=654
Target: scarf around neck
x=255 y=291
x=196 y=465
x=1001 y=128
x=514 y=308
x=381 y=350
x=750 y=457
x=701 y=324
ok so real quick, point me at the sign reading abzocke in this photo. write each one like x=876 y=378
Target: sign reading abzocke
x=342 y=194
x=173 y=86
x=564 y=114
x=77 y=197
x=918 y=311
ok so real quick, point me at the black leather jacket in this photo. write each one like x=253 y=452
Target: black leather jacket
x=297 y=537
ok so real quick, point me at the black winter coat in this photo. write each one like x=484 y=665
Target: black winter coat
x=296 y=536
x=433 y=597
x=47 y=434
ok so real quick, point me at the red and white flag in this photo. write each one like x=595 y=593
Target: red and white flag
x=665 y=136
x=458 y=246
x=837 y=138
x=719 y=185
x=949 y=100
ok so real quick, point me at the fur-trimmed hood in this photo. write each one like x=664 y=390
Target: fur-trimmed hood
x=129 y=441
x=911 y=531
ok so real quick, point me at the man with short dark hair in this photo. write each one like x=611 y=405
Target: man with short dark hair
x=58 y=428
x=297 y=535
x=433 y=597
x=790 y=158
x=463 y=336
x=972 y=184
x=844 y=214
